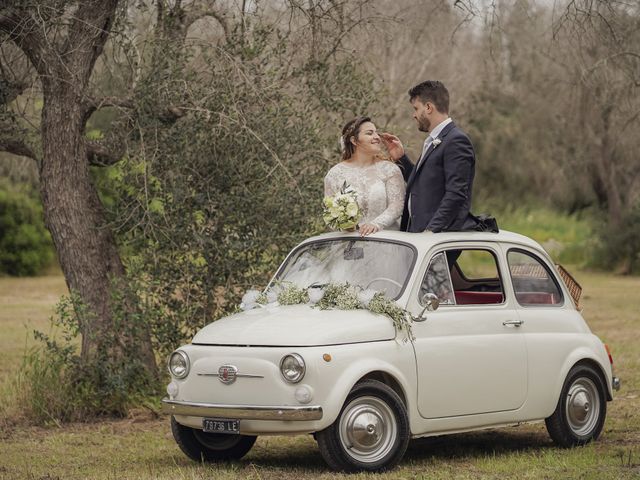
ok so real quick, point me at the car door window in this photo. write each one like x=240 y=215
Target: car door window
x=438 y=281
x=475 y=277
x=532 y=282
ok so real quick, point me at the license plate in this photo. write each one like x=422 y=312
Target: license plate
x=220 y=425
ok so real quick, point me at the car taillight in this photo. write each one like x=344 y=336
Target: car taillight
x=609 y=353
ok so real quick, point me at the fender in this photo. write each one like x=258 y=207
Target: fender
x=584 y=353
x=360 y=368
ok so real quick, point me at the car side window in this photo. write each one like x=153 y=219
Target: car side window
x=532 y=282
x=438 y=281
x=475 y=277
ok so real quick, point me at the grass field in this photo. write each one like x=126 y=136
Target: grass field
x=141 y=446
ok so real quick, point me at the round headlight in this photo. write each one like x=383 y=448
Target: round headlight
x=179 y=364
x=292 y=367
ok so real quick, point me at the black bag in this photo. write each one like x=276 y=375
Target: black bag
x=486 y=223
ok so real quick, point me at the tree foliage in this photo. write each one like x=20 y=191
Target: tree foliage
x=206 y=129
x=209 y=205
x=25 y=244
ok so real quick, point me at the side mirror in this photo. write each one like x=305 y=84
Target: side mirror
x=430 y=302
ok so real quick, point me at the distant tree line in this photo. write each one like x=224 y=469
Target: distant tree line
x=550 y=94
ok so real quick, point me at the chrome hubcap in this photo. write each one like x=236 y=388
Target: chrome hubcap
x=368 y=429
x=583 y=406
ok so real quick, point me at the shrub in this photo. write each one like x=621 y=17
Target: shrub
x=25 y=244
x=57 y=385
x=236 y=183
x=619 y=247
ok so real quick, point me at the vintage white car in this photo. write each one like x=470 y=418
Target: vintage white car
x=499 y=340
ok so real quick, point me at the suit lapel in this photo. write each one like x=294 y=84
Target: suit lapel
x=429 y=151
x=420 y=164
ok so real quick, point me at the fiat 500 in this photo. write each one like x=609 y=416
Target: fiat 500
x=497 y=339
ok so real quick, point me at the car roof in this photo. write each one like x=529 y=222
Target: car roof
x=425 y=240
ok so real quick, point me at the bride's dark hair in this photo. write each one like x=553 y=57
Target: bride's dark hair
x=351 y=130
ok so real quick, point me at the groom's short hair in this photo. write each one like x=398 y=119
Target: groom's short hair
x=432 y=91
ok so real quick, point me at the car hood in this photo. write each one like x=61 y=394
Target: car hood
x=297 y=325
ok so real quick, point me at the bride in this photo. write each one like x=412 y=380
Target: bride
x=378 y=183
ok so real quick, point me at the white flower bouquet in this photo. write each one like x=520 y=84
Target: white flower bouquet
x=341 y=211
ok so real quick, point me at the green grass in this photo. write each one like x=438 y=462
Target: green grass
x=25 y=304
x=141 y=447
x=567 y=238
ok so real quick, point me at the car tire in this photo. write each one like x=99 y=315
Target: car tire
x=581 y=410
x=210 y=447
x=371 y=432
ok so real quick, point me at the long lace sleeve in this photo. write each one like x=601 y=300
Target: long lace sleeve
x=395 y=188
x=331 y=186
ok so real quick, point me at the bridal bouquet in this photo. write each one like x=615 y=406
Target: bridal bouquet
x=341 y=211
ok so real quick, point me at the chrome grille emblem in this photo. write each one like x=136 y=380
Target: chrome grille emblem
x=227 y=374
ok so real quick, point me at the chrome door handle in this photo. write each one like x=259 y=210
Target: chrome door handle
x=512 y=323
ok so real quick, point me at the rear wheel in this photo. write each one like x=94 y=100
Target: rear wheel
x=581 y=410
x=371 y=433
x=210 y=447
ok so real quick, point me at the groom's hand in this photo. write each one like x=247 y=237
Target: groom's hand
x=393 y=144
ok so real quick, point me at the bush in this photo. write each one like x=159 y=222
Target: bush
x=619 y=246
x=236 y=183
x=57 y=385
x=25 y=244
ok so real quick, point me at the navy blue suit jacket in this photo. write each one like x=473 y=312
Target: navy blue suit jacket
x=440 y=189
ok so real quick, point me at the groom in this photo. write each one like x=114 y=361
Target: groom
x=439 y=186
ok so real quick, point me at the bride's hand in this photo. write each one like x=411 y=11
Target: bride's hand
x=393 y=144
x=367 y=229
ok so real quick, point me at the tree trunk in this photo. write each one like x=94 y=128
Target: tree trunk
x=72 y=211
x=75 y=217
x=63 y=50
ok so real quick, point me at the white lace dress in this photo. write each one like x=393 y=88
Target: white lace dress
x=380 y=188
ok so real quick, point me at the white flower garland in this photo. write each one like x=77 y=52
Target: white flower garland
x=342 y=296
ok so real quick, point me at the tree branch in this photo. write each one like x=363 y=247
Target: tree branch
x=200 y=12
x=167 y=114
x=171 y=114
x=17 y=147
x=93 y=104
x=88 y=32
x=25 y=32
x=10 y=90
x=105 y=102
x=100 y=155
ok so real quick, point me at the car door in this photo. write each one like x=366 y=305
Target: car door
x=553 y=328
x=470 y=353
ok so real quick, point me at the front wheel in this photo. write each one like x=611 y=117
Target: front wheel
x=371 y=432
x=581 y=410
x=210 y=447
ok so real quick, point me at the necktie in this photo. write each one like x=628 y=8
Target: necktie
x=425 y=147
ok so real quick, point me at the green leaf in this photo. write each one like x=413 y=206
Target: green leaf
x=156 y=205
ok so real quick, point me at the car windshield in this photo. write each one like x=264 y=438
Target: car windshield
x=370 y=264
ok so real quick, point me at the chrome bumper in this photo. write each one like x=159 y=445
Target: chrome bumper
x=615 y=383
x=248 y=412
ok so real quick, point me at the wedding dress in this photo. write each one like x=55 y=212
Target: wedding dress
x=380 y=188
